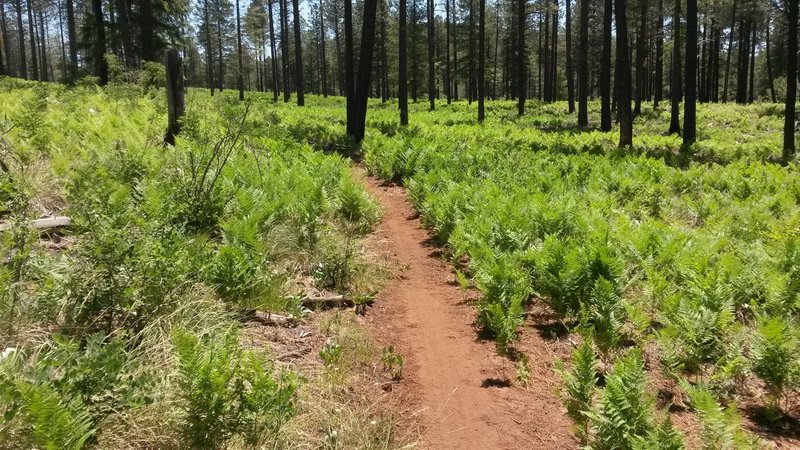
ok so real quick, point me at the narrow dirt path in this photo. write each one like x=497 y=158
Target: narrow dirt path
x=462 y=389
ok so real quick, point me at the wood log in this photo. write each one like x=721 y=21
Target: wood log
x=268 y=318
x=41 y=224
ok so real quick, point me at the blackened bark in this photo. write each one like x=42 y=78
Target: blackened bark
x=583 y=60
x=349 y=81
x=743 y=63
x=522 y=57
x=751 y=87
x=690 y=103
x=175 y=95
x=402 y=89
x=284 y=18
x=554 y=54
x=728 y=55
x=273 y=54
x=674 y=121
x=146 y=23
x=23 y=60
x=43 y=42
x=298 y=56
x=641 y=51
x=431 y=50
x=357 y=127
x=481 y=57
x=32 y=34
x=240 y=75
x=323 y=60
x=791 y=81
x=605 y=68
x=769 y=68
x=570 y=74
x=623 y=74
x=101 y=68
x=447 y=76
x=658 y=85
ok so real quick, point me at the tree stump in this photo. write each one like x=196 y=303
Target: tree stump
x=175 y=95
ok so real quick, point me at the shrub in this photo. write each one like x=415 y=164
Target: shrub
x=774 y=359
x=226 y=391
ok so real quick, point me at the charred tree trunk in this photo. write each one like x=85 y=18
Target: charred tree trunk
x=769 y=68
x=605 y=68
x=298 y=56
x=402 y=89
x=43 y=41
x=690 y=103
x=791 y=81
x=751 y=87
x=273 y=54
x=323 y=60
x=240 y=75
x=447 y=75
x=743 y=63
x=357 y=127
x=583 y=59
x=570 y=74
x=431 y=53
x=349 y=81
x=728 y=55
x=284 y=18
x=175 y=95
x=101 y=68
x=674 y=121
x=658 y=85
x=146 y=24
x=23 y=60
x=623 y=74
x=481 y=58
x=641 y=50
x=522 y=57
x=32 y=35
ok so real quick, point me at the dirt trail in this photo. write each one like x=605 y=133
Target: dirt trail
x=453 y=376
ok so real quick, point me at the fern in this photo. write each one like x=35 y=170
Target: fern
x=580 y=385
x=721 y=427
x=55 y=424
x=774 y=357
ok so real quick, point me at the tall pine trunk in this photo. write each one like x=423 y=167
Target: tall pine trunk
x=43 y=41
x=32 y=34
x=583 y=60
x=298 y=56
x=101 y=68
x=23 y=60
x=273 y=54
x=605 y=68
x=349 y=81
x=522 y=57
x=447 y=76
x=570 y=74
x=481 y=57
x=658 y=85
x=769 y=67
x=728 y=55
x=323 y=60
x=690 y=102
x=641 y=50
x=674 y=120
x=623 y=75
x=791 y=81
x=357 y=127
x=284 y=18
x=209 y=51
x=146 y=23
x=240 y=75
x=431 y=50
x=402 y=89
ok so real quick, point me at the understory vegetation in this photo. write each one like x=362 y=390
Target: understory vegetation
x=677 y=270
x=133 y=326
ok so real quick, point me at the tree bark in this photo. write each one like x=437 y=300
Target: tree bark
x=23 y=60
x=674 y=122
x=298 y=56
x=175 y=94
x=43 y=41
x=743 y=63
x=209 y=51
x=349 y=81
x=402 y=89
x=431 y=50
x=146 y=23
x=690 y=102
x=273 y=53
x=522 y=57
x=658 y=85
x=101 y=68
x=357 y=127
x=554 y=54
x=791 y=81
x=623 y=74
x=6 y=41
x=323 y=60
x=583 y=60
x=751 y=87
x=32 y=34
x=769 y=67
x=447 y=78
x=481 y=58
x=605 y=68
x=570 y=74
x=240 y=75
x=641 y=50
x=728 y=55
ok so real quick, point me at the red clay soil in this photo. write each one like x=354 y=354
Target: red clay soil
x=467 y=395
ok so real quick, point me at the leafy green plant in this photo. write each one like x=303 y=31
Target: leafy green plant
x=721 y=427
x=227 y=391
x=774 y=359
x=392 y=362
x=580 y=386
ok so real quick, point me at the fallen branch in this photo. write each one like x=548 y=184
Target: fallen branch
x=268 y=318
x=333 y=300
x=41 y=224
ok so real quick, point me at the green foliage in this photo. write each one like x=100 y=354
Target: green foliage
x=774 y=358
x=226 y=391
x=623 y=415
x=580 y=386
x=392 y=362
x=54 y=424
x=721 y=427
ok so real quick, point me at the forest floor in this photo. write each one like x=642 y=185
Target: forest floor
x=464 y=394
